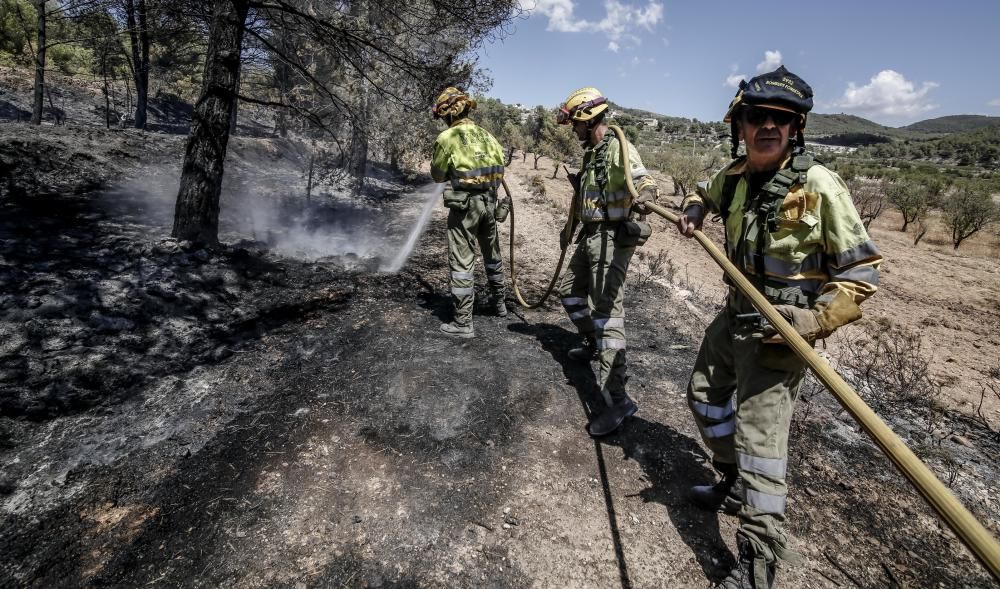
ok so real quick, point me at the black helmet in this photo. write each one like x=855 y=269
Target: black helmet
x=780 y=89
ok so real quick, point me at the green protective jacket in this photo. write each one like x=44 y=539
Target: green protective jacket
x=469 y=157
x=604 y=193
x=819 y=246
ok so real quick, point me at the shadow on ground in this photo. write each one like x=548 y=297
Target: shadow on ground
x=671 y=461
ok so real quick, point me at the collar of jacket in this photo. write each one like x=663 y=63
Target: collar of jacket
x=465 y=121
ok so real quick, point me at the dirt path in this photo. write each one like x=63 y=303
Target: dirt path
x=348 y=444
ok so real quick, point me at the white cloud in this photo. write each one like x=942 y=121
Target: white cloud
x=618 y=23
x=772 y=59
x=888 y=93
x=994 y=102
x=734 y=80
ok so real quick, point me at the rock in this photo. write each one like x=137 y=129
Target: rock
x=811 y=492
x=961 y=440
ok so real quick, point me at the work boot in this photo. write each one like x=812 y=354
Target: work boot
x=585 y=353
x=751 y=571
x=723 y=496
x=458 y=330
x=500 y=308
x=612 y=417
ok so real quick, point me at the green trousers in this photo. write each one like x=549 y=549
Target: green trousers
x=742 y=393
x=465 y=228
x=593 y=294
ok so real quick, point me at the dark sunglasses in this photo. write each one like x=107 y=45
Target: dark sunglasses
x=757 y=116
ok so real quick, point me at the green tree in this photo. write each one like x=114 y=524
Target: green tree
x=968 y=210
x=913 y=199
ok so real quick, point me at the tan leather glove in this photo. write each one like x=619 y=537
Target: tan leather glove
x=805 y=322
x=647 y=194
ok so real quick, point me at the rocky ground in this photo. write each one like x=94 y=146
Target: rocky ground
x=278 y=412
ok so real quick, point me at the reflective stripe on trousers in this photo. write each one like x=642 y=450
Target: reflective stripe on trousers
x=742 y=395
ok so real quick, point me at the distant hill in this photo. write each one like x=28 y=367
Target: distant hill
x=954 y=124
x=843 y=124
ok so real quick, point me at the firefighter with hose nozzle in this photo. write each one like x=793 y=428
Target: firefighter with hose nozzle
x=472 y=162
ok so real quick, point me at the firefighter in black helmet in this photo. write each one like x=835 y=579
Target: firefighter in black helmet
x=792 y=229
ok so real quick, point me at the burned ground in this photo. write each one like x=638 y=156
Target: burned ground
x=177 y=416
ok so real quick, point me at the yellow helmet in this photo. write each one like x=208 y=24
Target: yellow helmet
x=451 y=102
x=582 y=105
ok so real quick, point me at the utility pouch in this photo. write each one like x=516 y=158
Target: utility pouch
x=458 y=201
x=502 y=210
x=633 y=233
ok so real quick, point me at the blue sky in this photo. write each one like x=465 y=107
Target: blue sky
x=893 y=62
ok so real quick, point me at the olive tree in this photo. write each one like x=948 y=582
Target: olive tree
x=968 y=210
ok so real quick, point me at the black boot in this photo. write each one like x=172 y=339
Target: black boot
x=612 y=418
x=752 y=571
x=724 y=495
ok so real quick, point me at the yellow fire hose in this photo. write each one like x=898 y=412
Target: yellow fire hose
x=958 y=518
x=568 y=228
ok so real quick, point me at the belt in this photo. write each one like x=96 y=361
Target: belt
x=595 y=226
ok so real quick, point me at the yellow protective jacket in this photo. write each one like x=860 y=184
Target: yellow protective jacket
x=469 y=157
x=816 y=253
x=604 y=194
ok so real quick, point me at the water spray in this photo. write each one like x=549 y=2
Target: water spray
x=433 y=192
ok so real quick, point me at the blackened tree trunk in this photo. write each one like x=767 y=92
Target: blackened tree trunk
x=39 y=103
x=139 y=38
x=196 y=216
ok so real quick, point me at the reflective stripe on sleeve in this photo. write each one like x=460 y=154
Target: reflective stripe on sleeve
x=766 y=502
x=859 y=253
x=867 y=274
x=773 y=467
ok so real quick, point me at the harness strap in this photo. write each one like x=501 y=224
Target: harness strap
x=765 y=206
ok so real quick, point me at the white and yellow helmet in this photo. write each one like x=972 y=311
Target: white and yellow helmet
x=452 y=102
x=582 y=105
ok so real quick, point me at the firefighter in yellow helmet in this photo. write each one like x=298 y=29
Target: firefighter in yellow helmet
x=593 y=287
x=472 y=162
x=791 y=227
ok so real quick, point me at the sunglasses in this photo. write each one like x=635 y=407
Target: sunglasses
x=757 y=116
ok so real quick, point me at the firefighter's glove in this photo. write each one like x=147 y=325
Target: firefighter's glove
x=647 y=194
x=804 y=321
x=574 y=181
x=691 y=220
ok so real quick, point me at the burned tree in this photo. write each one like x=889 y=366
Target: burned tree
x=196 y=216
x=138 y=31
x=38 y=104
x=374 y=63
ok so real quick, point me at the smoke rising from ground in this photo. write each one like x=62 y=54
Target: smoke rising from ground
x=264 y=200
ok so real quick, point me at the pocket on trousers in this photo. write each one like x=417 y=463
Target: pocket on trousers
x=458 y=201
x=778 y=357
x=632 y=233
